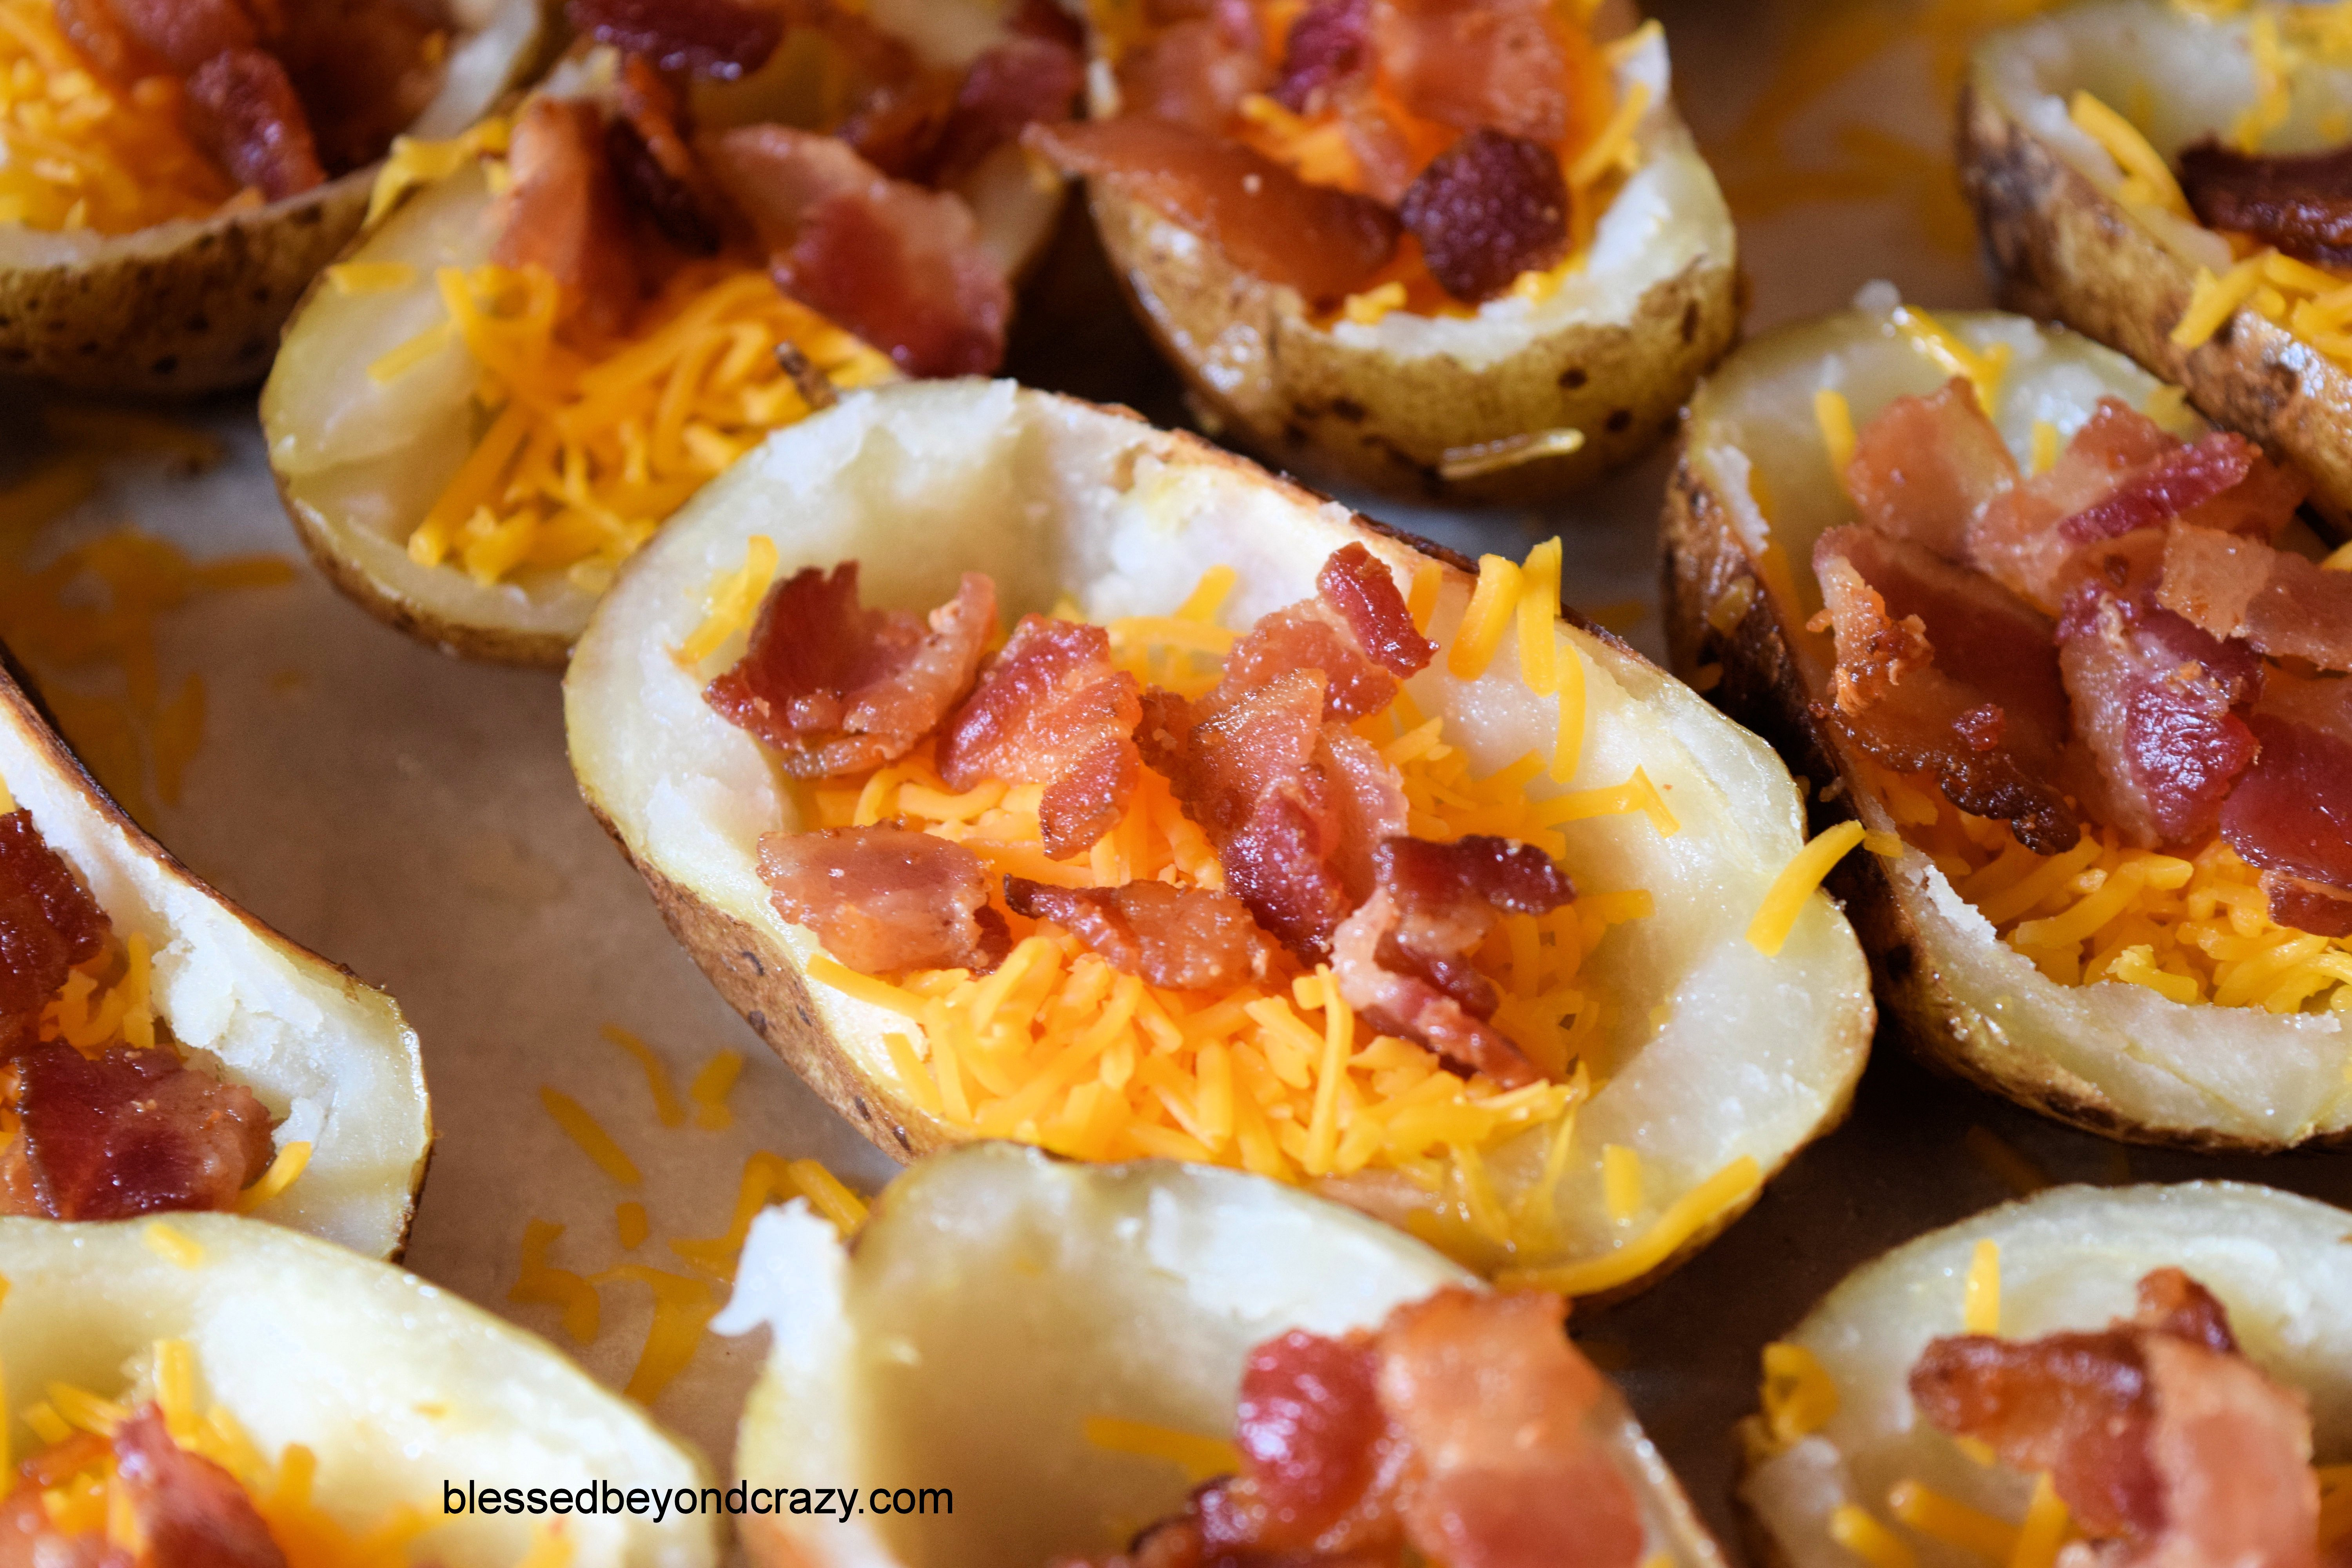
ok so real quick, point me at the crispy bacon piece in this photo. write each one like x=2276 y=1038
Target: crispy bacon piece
x=1312 y=1436
x=1016 y=83
x=2158 y=702
x=1403 y=958
x=1991 y=747
x=1051 y=709
x=191 y=1513
x=364 y=69
x=1356 y=630
x=101 y=38
x=1187 y=939
x=1196 y=67
x=2279 y=604
x=49 y=923
x=1487 y=209
x=2292 y=812
x=183 y=34
x=836 y=687
x=718 y=39
x=2184 y=478
x=2155 y=1432
x=1363 y=594
x=901 y=267
x=134 y=1131
x=655 y=169
x=2299 y=201
x=1329 y=42
x=886 y=899
x=1496 y=64
x=1324 y=243
x=1925 y=466
x=242 y=108
x=1367 y=802
x=564 y=215
x=2307 y=906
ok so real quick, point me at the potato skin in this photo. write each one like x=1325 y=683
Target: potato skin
x=1302 y=400
x=200 y=313
x=2059 y=249
x=1762 y=687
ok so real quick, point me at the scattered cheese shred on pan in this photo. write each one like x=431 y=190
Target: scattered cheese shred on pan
x=590 y=1135
x=710 y=1088
x=658 y=1080
x=541 y=1282
x=683 y=1307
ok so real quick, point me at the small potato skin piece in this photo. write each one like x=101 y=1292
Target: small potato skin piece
x=1763 y=688
x=1301 y=400
x=2061 y=249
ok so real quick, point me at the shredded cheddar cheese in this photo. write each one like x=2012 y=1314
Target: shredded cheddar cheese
x=173 y=1245
x=290 y=1162
x=1983 y=368
x=1832 y=413
x=1980 y=1292
x=1494 y=608
x=1867 y=1538
x=1797 y=882
x=1704 y=1207
x=587 y=1132
x=2148 y=179
x=657 y=1081
x=710 y=1088
x=538 y=1280
x=2045 y=446
x=1201 y=1459
x=1932 y=1514
x=1621 y=1181
x=1798 y=1397
x=631 y=1224
x=348 y=278
x=769 y=1179
x=683 y=1307
x=2044 y=1529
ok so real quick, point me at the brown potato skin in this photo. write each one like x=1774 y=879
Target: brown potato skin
x=201 y=314
x=1762 y=687
x=1301 y=400
x=2059 y=248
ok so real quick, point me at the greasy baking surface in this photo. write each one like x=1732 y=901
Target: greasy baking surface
x=413 y=817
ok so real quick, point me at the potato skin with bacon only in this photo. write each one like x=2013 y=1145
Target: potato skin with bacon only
x=1054 y=498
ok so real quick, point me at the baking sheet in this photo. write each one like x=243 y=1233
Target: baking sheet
x=413 y=817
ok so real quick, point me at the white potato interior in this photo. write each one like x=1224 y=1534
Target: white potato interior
x=2178 y=77
x=395 y=1384
x=2238 y=1071
x=998 y=1298
x=1667 y=218
x=333 y=1059
x=2070 y=1259
x=497 y=40
x=1710 y=1049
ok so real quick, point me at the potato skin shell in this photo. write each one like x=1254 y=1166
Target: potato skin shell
x=1302 y=400
x=1762 y=687
x=2059 y=248
x=199 y=315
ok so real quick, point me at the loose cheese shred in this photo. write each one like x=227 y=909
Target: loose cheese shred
x=1429 y=577
x=413 y=163
x=658 y=1080
x=1867 y=1538
x=1493 y=607
x=172 y=1245
x=2213 y=301
x=2147 y=181
x=2334 y=1504
x=1798 y=1397
x=348 y=278
x=734 y=598
x=1776 y=917
x=768 y=1179
x=1980 y=1299
x=1711 y=1203
x=1201 y=1459
x=2045 y=446
x=1621 y=1181
x=2044 y=1530
x=683 y=1307
x=1614 y=151
x=289 y=1163
x=1832 y=413
x=1983 y=368
x=2017 y=1172
x=1369 y=307
x=589 y=1134
x=710 y=1088
x=1932 y=1514
x=1537 y=616
x=538 y=1280
x=630 y=1221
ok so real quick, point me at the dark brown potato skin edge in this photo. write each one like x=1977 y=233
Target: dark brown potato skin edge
x=1762 y=687
x=2060 y=249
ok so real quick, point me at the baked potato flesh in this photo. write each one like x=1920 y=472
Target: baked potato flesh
x=195 y=304
x=332 y=1060
x=394 y=1385
x=375 y=406
x=2069 y=1258
x=1606 y=345
x=1707 y=1052
x=999 y=1300
x=2115 y=1057
x=2075 y=235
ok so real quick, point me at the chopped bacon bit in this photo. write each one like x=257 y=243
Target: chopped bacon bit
x=1195 y=72
x=1050 y=709
x=185 y=33
x=886 y=899
x=897 y=127
x=1047 y=19
x=49 y=923
x=1925 y=466
x=1893 y=700
x=1017 y=83
x=99 y=35
x=2184 y=478
x=364 y=69
x=132 y=1132
x=564 y=215
x=2157 y=701
x=2299 y=201
x=2293 y=810
x=191 y=1513
x=1491 y=64
x=2307 y=906
x=2282 y=605
x=1487 y=209
x=901 y=267
x=2003 y=645
x=1368 y=805
x=836 y=687
x=1403 y=959
x=1324 y=243
x=2155 y=1432
x=2015 y=538
x=1310 y=1429
x=1356 y=630
x=1187 y=939
x=243 y=109
x=1332 y=42
x=722 y=39
x=655 y=169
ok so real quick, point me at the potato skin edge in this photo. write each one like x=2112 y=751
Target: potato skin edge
x=2059 y=248
x=1762 y=687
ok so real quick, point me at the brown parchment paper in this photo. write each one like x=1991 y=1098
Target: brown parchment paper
x=413 y=817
